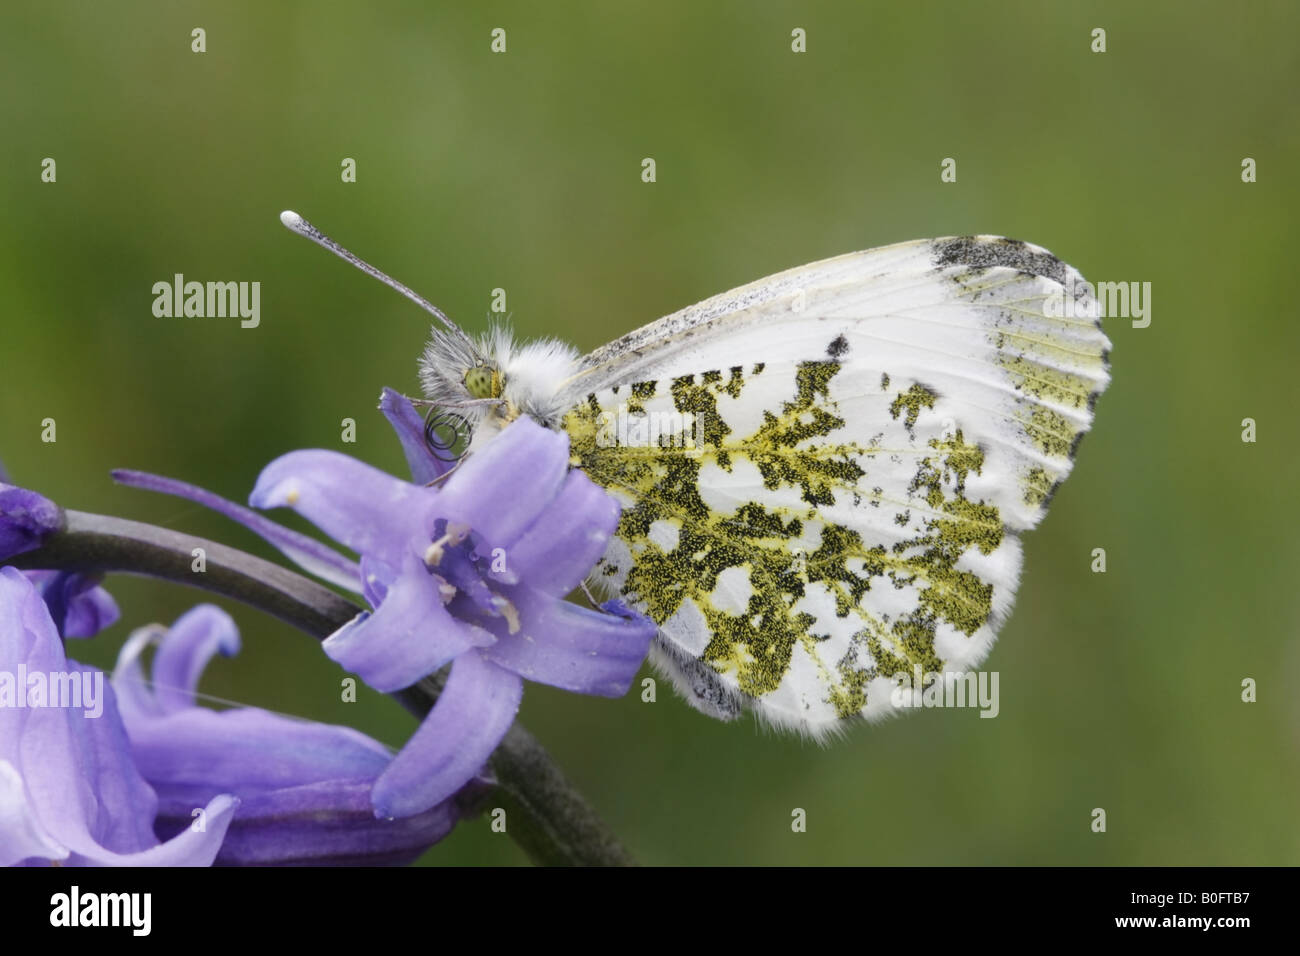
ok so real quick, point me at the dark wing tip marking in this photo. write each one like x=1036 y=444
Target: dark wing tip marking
x=1051 y=493
x=838 y=347
x=1074 y=445
x=988 y=252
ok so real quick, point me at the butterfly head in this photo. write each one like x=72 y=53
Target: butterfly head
x=487 y=382
x=492 y=380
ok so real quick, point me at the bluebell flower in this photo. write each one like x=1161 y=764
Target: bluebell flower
x=303 y=787
x=471 y=573
x=69 y=789
x=137 y=774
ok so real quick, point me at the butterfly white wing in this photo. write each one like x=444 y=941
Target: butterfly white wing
x=871 y=432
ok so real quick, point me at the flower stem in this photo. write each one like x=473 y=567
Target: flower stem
x=546 y=816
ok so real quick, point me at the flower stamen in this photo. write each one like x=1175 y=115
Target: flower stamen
x=508 y=611
x=456 y=533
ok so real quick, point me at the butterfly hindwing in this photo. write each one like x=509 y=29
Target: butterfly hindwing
x=823 y=474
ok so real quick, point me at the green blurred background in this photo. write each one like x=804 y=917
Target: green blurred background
x=522 y=171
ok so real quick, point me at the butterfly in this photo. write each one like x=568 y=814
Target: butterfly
x=824 y=474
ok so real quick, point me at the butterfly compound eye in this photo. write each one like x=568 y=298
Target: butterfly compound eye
x=483 y=382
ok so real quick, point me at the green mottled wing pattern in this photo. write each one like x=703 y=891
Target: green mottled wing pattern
x=824 y=474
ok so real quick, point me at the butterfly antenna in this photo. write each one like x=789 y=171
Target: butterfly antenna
x=295 y=223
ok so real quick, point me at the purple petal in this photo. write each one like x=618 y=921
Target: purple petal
x=28 y=639
x=197 y=634
x=560 y=548
x=371 y=512
x=74 y=762
x=409 y=425
x=308 y=553
x=470 y=717
x=189 y=848
x=409 y=636
x=26 y=520
x=135 y=697
x=570 y=647
x=123 y=820
x=303 y=788
x=616 y=607
x=500 y=490
x=375 y=580
x=236 y=751
x=79 y=607
x=246 y=750
x=330 y=823
x=22 y=837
